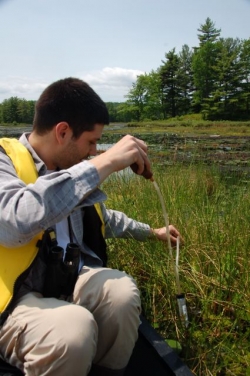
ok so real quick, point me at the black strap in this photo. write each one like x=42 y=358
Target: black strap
x=3 y=150
x=70 y=230
x=92 y=233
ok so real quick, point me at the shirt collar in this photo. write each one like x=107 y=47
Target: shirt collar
x=40 y=165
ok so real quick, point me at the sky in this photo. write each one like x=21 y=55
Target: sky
x=106 y=43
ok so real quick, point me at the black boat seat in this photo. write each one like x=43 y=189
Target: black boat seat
x=8 y=370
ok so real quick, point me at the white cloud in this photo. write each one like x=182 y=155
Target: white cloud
x=21 y=87
x=112 y=84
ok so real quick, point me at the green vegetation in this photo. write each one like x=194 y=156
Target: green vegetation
x=15 y=111
x=211 y=208
x=184 y=125
x=211 y=79
x=212 y=212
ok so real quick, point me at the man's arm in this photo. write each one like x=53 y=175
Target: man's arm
x=25 y=210
x=129 y=151
x=161 y=234
x=119 y=225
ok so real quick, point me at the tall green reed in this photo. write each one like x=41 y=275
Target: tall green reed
x=212 y=213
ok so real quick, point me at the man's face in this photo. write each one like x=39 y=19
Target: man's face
x=79 y=149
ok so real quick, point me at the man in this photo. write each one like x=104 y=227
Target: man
x=94 y=329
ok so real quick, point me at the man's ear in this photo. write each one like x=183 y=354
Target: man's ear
x=62 y=132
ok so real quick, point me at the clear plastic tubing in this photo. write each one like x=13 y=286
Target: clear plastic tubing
x=180 y=296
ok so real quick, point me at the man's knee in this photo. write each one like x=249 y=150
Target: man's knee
x=69 y=343
x=104 y=288
x=79 y=336
x=124 y=294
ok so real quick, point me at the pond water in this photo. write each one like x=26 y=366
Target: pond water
x=14 y=131
x=231 y=153
x=104 y=147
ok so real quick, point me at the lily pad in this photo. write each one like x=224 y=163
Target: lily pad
x=175 y=345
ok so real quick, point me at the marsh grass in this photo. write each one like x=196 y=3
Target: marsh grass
x=212 y=213
x=191 y=125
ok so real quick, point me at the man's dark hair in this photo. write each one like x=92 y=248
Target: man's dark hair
x=73 y=101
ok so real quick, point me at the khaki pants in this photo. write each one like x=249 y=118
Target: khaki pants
x=47 y=336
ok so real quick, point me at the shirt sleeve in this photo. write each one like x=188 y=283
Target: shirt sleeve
x=25 y=210
x=119 y=225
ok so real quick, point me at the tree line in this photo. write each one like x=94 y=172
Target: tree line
x=212 y=79
x=15 y=110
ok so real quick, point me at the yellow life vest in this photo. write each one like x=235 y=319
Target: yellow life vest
x=16 y=260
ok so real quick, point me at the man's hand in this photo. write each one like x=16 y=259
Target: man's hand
x=126 y=152
x=161 y=234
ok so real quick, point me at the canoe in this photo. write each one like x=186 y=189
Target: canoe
x=152 y=356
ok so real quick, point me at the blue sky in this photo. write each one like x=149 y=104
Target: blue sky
x=104 y=42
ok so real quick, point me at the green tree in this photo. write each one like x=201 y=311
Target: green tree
x=245 y=83
x=170 y=83
x=16 y=110
x=112 y=109
x=9 y=110
x=204 y=63
x=153 y=108
x=136 y=97
x=208 y=32
x=144 y=100
x=185 y=79
x=212 y=79
x=124 y=113
x=25 y=110
x=223 y=102
x=118 y=113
